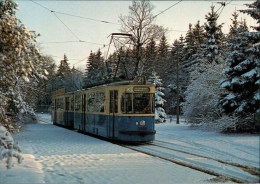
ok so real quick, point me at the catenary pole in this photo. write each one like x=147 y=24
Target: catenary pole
x=178 y=101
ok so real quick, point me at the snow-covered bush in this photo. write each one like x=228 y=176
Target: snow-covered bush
x=8 y=149
x=221 y=124
x=201 y=102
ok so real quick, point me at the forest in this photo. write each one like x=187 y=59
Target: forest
x=212 y=79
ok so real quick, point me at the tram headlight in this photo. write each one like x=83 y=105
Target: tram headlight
x=142 y=123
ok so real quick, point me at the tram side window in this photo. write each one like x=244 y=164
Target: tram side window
x=60 y=103
x=139 y=103
x=91 y=102
x=77 y=102
x=67 y=103
x=72 y=104
x=126 y=103
x=100 y=100
x=113 y=102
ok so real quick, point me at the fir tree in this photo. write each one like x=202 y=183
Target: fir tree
x=150 y=58
x=242 y=73
x=20 y=68
x=214 y=36
x=95 y=72
x=253 y=11
x=20 y=64
x=63 y=68
x=234 y=26
x=175 y=68
x=198 y=32
x=160 y=115
x=162 y=59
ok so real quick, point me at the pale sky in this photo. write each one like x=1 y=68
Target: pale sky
x=66 y=31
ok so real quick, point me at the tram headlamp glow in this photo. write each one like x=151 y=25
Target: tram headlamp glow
x=142 y=123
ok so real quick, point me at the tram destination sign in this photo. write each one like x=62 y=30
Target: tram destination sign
x=141 y=89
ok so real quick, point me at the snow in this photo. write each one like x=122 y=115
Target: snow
x=56 y=155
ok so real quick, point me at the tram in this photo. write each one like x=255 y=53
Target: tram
x=121 y=111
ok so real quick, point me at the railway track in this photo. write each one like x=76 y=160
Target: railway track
x=227 y=171
x=43 y=121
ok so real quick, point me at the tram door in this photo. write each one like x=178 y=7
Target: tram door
x=55 y=112
x=113 y=104
x=67 y=104
x=83 y=115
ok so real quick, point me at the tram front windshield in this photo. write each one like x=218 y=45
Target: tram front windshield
x=137 y=103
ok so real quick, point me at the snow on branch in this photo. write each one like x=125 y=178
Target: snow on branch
x=8 y=149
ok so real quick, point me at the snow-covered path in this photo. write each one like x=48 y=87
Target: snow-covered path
x=57 y=155
x=235 y=148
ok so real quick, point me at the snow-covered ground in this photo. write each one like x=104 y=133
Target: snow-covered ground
x=56 y=155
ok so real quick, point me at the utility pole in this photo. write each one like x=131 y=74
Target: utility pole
x=177 y=82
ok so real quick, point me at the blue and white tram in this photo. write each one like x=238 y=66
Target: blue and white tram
x=122 y=111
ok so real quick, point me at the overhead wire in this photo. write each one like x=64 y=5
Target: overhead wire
x=78 y=39
x=67 y=27
x=63 y=13
x=225 y=4
x=97 y=20
x=107 y=22
x=168 y=8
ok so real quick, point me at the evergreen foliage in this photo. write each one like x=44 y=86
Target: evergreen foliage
x=20 y=65
x=162 y=58
x=242 y=80
x=214 y=36
x=160 y=115
x=253 y=10
x=63 y=68
x=150 y=58
x=95 y=72
x=21 y=68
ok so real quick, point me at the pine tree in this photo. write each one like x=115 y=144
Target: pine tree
x=175 y=67
x=162 y=59
x=198 y=32
x=150 y=58
x=253 y=11
x=234 y=26
x=214 y=36
x=193 y=50
x=110 y=66
x=242 y=73
x=95 y=72
x=63 y=68
x=20 y=64
x=160 y=115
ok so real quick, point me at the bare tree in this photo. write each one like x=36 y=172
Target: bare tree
x=140 y=22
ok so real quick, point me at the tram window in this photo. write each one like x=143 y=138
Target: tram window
x=126 y=103
x=140 y=103
x=60 y=103
x=100 y=100
x=67 y=104
x=77 y=103
x=113 y=102
x=72 y=104
x=91 y=102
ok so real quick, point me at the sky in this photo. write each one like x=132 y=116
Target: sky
x=76 y=28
